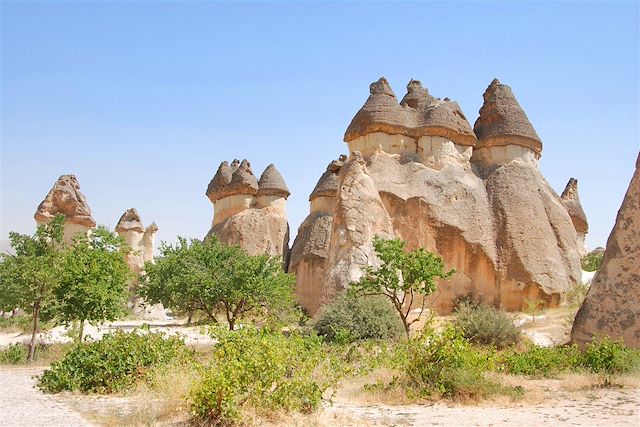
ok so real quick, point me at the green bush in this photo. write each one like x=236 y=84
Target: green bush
x=592 y=261
x=260 y=371
x=542 y=361
x=483 y=324
x=113 y=363
x=610 y=357
x=14 y=354
x=444 y=363
x=352 y=318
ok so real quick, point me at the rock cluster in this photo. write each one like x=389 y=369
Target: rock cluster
x=141 y=241
x=248 y=212
x=612 y=305
x=66 y=198
x=417 y=171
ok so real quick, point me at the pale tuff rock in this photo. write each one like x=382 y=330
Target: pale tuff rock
x=141 y=241
x=503 y=122
x=249 y=213
x=493 y=218
x=612 y=306
x=65 y=198
x=310 y=249
x=571 y=201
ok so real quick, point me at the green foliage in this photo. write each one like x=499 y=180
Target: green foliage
x=352 y=318
x=576 y=295
x=533 y=307
x=483 y=324
x=261 y=371
x=403 y=277
x=542 y=361
x=114 y=363
x=14 y=354
x=610 y=357
x=27 y=279
x=94 y=279
x=592 y=261
x=211 y=277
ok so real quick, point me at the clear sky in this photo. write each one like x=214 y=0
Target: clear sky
x=142 y=101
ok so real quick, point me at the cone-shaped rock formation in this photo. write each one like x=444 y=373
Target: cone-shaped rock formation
x=272 y=184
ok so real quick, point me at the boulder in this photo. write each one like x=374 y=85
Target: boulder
x=612 y=305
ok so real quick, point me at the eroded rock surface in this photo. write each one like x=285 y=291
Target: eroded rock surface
x=248 y=212
x=612 y=306
x=417 y=171
x=66 y=198
x=571 y=201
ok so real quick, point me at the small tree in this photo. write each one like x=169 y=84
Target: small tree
x=93 y=285
x=213 y=278
x=27 y=279
x=402 y=277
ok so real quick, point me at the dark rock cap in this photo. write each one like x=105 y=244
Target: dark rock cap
x=272 y=184
x=130 y=221
x=329 y=182
x=502 y=121
x=418 y=114
x=65 y=198
x=231 y=180
x=571 y=202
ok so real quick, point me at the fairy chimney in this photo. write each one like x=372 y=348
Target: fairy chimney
x=571 y=201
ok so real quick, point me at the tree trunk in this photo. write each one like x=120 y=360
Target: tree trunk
x=232 y=323
x=32 y=344
x=81 y=333
x=406 y=325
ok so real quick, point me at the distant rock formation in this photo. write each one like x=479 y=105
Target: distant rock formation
x=612 y=305
x=142 y=242
x=66 y=198
x=249 y=213
x=572 y=202
x=417 y=171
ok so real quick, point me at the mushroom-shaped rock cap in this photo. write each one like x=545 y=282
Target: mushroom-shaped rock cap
x=272 y=184
x=130 y=221
x=380 y=113
x=502 y=121
x=329 y=182
x=232 y=180
x=152 y=228
x=418 y=114
x=65 y=198
x=571 y=201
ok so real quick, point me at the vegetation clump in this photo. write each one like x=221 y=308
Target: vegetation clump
x=486 y=325
x=351 y=318
x=592 y=261
x=260 y=371
x=114 y=363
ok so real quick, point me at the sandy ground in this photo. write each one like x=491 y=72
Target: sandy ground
x=23 y=405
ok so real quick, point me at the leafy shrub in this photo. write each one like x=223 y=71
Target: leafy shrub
x=352 y=318
x=576 y=295
x=542 y=361
x=592 y=261
x=444 y=363
x=262 y=371
x=610 y=357
x=113 y=363
x=483 y=324
x=14 y=354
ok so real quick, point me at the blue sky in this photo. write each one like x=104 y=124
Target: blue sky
x=142 y=101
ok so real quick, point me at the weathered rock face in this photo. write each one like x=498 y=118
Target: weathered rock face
x=571 y=201
x=65 y=198
x=612 y=306
x=249 y=213
x=417 y=172
x=141 y=241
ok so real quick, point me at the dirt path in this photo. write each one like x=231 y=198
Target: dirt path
x=23 y=405
x=604 y=407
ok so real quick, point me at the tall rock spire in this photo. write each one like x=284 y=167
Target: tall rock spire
x=571 y=201
x=503 y=122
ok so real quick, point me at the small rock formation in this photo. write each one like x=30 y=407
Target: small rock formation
x=141 y=241
x=249 y=213
x=571 y=201
x=65 y=198
x=612 y=305
x=418 y=171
